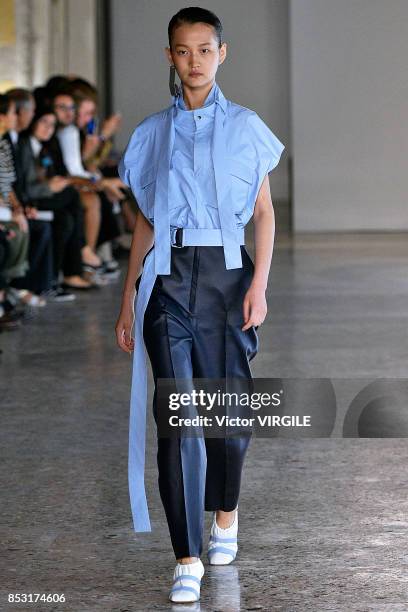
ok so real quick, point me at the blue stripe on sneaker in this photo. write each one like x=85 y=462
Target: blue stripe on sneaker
x=186 y=588
x=189 y=576
x=222 y=549
x=214 y=538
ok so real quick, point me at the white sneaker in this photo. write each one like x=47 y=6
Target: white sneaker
x=187 y=582
x=223 y=543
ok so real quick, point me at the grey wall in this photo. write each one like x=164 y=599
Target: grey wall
x=349 y=90
x=254 y=74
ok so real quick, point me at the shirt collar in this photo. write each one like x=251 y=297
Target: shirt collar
x=36 y=146
x=13 y=136
x=215 y=95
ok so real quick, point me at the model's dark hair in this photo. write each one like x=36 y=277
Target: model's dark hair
x=21 y=97
x=195 y=14
x=5 y=104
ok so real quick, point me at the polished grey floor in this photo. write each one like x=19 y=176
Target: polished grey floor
x=323 y=522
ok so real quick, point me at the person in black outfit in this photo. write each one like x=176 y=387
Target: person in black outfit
x=39 y=277
x=34 y=277
x=46 y=185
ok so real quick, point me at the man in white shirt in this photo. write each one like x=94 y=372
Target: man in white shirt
x=69 y=139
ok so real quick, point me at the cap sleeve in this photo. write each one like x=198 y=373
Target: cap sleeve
x=268 y=147
x=132 y=165
x=266 y=150
x=131 y=160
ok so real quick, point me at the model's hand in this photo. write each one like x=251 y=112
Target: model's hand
x=254 y=307
x=123 y=329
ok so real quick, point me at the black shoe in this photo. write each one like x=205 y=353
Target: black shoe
x=93 y=269
x=12 y=301
x=111 y=265
x=111 y=275
x=60 y=294
x=10 y=320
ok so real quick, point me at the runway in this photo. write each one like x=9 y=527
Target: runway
x=322 y=521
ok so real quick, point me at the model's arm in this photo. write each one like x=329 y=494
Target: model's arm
x=254 y=306
x=142 y=241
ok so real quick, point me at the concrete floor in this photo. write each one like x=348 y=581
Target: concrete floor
x=323 y=522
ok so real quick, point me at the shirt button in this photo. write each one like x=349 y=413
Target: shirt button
x=198 y=116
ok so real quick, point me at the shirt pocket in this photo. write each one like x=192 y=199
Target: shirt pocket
x=148 y=188
x=242 y=177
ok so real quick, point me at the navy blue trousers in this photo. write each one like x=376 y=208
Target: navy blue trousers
x=192 y=328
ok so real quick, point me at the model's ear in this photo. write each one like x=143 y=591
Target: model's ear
x=223 y=52
x=168 y=54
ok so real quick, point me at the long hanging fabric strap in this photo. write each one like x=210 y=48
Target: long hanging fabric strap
x=162 y=250
x=230 y=238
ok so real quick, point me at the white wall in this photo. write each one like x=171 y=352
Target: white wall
x=80 y=24
x=349 y=90
x=254 y=74
x=51 y=37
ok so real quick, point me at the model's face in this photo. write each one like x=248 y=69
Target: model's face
x=86 y=112
x=64 y=107
x=45 y=127
x=195 y=54
x=25 y=115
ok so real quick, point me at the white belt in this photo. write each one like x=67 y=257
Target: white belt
x=191 y=236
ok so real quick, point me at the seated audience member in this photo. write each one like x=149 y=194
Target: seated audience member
x=108 y=189
x=20 y=268
x=64 y=108
x=37 y=279
x=96 y=141
x=25 y=107
x=97 y=145
x=50 y=191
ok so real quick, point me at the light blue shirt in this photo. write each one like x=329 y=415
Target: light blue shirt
x=243 y=150
x=193 y=197
x=202 y=169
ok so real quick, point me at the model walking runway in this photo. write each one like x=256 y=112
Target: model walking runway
x=199 y=172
